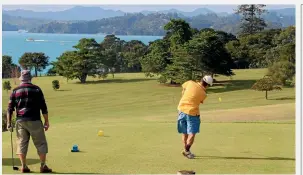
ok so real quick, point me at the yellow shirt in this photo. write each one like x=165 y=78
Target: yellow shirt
x=193 y=94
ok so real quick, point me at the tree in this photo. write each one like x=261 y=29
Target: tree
x=7 y=65
x=156 y=59
x=282 y=57
x=7 y=86
x=160 y=58
x=182 y=67
x=226 y=37
x=293 y=82
x=223 y=36
x=111 y=48
x=15 y=73
x=251 y=18
x=239 y=54
x=9 y=69
x=36 y=60
x=86 y=60
x=285 y=43
x=265 y=84
x=254 y=51
x=64 y=65
x=209 y=54
x=194 y=31
x=111 y=60
x=178 y=31
x=132 y=53
x=282 y=71
x=51 y=72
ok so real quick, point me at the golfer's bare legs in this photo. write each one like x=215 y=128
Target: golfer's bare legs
x=189 y=142
x=184 y=139
x=22 y=158
x=191 y=139
x=42 y=158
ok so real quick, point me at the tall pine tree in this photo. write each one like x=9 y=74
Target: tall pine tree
x=251 y=18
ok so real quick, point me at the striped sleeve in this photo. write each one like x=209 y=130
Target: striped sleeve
x=43 y=103
x=11 y=103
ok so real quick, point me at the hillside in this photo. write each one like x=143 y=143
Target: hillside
x=13 y=23
x=152 y=24
x=76 y=13
x=97 y=20
x=95 y=13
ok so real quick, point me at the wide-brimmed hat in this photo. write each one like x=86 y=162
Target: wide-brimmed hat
x=25 y=75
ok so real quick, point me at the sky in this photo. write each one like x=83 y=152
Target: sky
x=138 y=8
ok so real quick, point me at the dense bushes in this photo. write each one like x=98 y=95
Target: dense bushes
x=4 y=121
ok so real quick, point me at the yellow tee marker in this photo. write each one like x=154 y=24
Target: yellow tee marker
x=100 y=133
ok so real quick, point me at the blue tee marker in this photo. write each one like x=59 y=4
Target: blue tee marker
x=75 y=148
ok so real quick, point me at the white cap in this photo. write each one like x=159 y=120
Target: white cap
x=208 y=79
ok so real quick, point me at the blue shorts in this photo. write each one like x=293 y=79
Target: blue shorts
x=188 y=124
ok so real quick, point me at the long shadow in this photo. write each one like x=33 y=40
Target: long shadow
x=231 y=85
x=63 y=90
x=284 y=98
x=117 y=81
x=8 y=161
x=242 y=158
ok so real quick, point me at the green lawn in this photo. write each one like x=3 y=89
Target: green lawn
x=242 y=134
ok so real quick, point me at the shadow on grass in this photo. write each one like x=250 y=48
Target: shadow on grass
x=243 y=158
x=117 y=81
x=231 y=85
x=284 y=98
x=79 y=152
x=63 y=90
x=8 y=161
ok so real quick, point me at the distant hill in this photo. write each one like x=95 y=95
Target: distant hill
x=129 y=24
x=11 y=23
x=9 y=27
x=152 y=24
x=199 y=11
x=75 y=13
x=285 y=11
x=95 y=13
x=146 y=23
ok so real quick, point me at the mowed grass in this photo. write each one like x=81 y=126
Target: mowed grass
x=244 y=133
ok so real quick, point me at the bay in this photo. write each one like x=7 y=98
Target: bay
x=15 y=44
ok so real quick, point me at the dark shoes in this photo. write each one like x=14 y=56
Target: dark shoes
x=25 y=170
x=45 y=169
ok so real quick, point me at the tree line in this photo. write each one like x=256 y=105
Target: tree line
x=184 y=52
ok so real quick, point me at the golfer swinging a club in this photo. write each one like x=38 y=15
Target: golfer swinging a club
x=193 y=93
x=28 y=100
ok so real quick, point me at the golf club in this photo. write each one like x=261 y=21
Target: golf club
x=14 y=168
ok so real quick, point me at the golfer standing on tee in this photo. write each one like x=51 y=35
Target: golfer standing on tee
x=193 y=93
x=28 y=100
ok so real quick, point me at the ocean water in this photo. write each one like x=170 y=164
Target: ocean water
x=15 y=44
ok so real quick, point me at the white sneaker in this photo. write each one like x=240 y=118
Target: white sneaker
x=188 y=154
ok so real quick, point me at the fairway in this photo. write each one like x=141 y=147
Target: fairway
x=244 y=133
